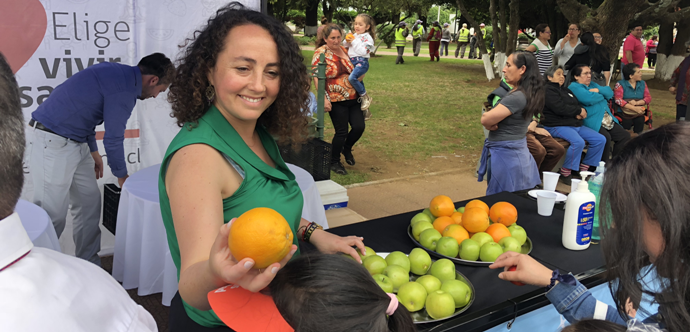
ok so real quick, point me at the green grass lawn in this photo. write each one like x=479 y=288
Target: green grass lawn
x=424 y=49
x=420 y=108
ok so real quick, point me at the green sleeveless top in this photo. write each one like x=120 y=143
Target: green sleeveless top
x=263 y=186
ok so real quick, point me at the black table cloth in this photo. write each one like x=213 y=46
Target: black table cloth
x=496 y=301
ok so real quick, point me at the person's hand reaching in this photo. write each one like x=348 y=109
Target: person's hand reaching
x=528 y=271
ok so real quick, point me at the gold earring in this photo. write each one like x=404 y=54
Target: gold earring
x=210 y=93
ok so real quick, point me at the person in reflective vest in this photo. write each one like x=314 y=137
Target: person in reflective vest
x=463 y=40
x=401 y=33
x=417 y=33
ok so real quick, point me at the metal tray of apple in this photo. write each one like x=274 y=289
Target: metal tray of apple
x=422 y=316
x=526 y=248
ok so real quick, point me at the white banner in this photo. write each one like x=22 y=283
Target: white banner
x=48 y=41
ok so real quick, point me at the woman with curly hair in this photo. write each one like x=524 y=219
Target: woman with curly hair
x=240 y=80
x=342 y=103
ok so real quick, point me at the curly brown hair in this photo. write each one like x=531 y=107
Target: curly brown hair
x=285 y=118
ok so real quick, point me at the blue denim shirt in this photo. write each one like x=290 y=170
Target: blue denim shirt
x=577 y=303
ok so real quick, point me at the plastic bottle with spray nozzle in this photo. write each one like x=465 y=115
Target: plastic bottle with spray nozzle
x=595 y=185
x=579 y=216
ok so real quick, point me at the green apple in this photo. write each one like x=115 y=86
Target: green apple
x=510 y=243
x=447 y=246
x=428 y=213
x=420 y=261
x=421 y=217
x=384 y=282
x=461 y=209
x=440 y=304
x=374 y=264
x=518 y=232
x=490 y=251
x=400 y=259
x=419 y=227
x=429 y=282
x=369 y=252
x=398 y=276
x=429 y=238
x=469 y=250
x=443 y=269
x=482 y=238
x=412 y=295
x=461 y=292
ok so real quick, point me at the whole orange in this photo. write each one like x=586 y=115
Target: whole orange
x=441 y=223
x=475 y=220
x=457 y=232
x=478 y=204
x=261 y=234
x=498 y=231
x=457 y=217
x=504 y=213
x=441 y=206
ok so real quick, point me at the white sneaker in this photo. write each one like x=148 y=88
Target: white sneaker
x=366 y=101
x=367 y=115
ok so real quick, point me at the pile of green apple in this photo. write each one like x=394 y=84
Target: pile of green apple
x=480 y=246
x=436 y=288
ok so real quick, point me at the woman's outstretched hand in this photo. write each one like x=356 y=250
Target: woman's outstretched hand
x=329 y=243
x=226 y=267
x=528 y=270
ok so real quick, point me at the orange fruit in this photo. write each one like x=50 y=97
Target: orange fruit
x=457 y=232
x=457 y=217
x=498 y=231
x=478 y=204
x=441 y=206
x=504 y=213
x=475 y=220
x=441 y=223
x=261 y=234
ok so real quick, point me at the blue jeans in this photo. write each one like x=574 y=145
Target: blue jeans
x=577 y=136
x=361 y=67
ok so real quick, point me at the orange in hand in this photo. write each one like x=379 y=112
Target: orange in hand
x=504 y=213
x=441 y=205
x=478 y=204
x=475 y=220
x=441 y=223
x=261 y=234
x=498 y=231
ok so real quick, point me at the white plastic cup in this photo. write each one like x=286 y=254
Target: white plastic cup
x=545 y=202
x=550 y=180
x=574 y=184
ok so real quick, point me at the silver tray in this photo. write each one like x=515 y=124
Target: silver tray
x=526 y=249
x=421 y=317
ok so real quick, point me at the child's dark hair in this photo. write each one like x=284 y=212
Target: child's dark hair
x=372 y=24
x=319 y=292
x=593 y=325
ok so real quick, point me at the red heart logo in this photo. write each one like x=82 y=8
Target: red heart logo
x=22 y=27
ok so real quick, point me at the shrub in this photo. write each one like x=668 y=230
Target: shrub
x=386 y=33
x=304 y=40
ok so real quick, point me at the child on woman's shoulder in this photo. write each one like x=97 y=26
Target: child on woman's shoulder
x=359 y=45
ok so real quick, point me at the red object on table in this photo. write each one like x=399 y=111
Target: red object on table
x=245 y=311
x=511 y=269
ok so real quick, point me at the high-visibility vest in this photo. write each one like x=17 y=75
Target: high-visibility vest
x=464 y=35
x=399 y=38
x=483 y=33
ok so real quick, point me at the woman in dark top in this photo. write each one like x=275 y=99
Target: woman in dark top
x=562 y=117
x=592 y=54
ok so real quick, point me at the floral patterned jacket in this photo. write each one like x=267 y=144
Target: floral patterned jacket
x=338 y=87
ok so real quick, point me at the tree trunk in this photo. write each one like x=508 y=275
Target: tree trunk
x=495 y=31
x=504 y=26
x=480 y=39
x=311 y=18
x=513 y=26
x=328 y=9
x=669 y=54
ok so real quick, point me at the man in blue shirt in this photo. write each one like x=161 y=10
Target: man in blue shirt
x=64 y=153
